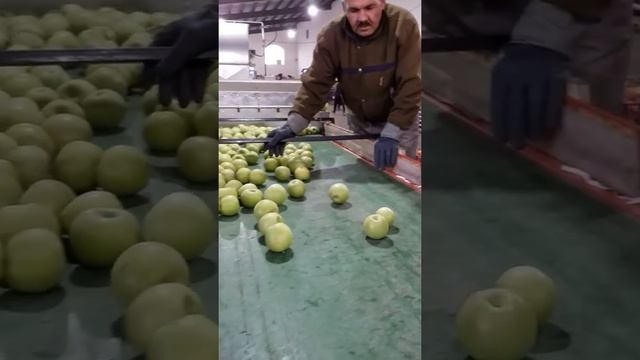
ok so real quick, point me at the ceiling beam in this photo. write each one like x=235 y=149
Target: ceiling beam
x=273 y=28
x=282 y=21
x=259 y=14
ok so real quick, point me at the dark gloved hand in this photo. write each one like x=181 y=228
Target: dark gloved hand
x=527 y=93
x=385 y=152
x=277 y=136
x=179 y=75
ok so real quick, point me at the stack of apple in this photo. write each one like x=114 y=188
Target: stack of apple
x=73 y=26
x=502 y=322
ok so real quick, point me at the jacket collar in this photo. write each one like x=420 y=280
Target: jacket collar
x=384 y=23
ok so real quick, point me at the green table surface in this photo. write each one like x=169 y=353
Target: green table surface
x=80 y=320
x=488 y=209
x=334 y=294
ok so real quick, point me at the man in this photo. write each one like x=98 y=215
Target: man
x=374 y=53
x=550 y=40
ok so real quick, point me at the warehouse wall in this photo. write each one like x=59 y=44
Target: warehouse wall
x=308 y=31
x=40 y=6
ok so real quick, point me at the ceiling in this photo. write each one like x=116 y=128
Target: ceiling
x=275 y=14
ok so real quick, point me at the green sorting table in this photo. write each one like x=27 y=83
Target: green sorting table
x=334 y=294
x=80 y=320
x=489 y=209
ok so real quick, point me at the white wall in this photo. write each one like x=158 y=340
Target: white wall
x=307 y=44
x=290 y=47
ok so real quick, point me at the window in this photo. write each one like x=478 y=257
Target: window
x=274 y=55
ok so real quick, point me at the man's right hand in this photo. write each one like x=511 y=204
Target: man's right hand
x=275 y=147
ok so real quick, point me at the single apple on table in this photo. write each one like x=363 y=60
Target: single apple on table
x=533 y=286
x=496 y=324
x=250 y=197
x=267 y=220
x=339 y=193
x=296 y=188
x=282 y=173
x=277 y=193
x=278 y=237
x=375 y=226
x=229 y=205
x=388 y=214
x=263 y=207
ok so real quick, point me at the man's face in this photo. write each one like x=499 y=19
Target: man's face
x=364 y=15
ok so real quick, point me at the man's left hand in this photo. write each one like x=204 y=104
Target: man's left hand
x=180 y=75
x=385 y=153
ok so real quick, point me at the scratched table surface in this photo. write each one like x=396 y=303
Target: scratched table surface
x=80 y=320
x=335 y=294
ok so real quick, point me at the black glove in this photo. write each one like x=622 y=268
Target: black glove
x=385 y=152
x=276 y=145
x=179 y=75
x=527 y=93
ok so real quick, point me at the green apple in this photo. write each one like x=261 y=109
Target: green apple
x=52 y=22
x=221 y=180
x=269 y=219
x=252 y=158
x=19 y=84
x=34 y=260
x=205 y=121
x=282 y=173
x=222 y=192
x=144 y=265
x=278 y=237
x=42 y=95
x=339 y=193
x=235 y=184
x=277 y=193
x=196 y=158
x=496 y=324
x=10 y=188
x=77 y=165
x=294 y=163
x=76 y=90
x=388 y=214
x=31 y=134
x=533 y=286
x=192 y=337
x=123 y=170
x=165 y=131
x=105 y=109
x=62 y=106
x=296 y=188
x=88 y=200
x=125 y=28
x=16 y=218
x=245 y=187
x=239 y=163
x=51 y=76
x=63 y=40
x=105 y=77
x=375 y=226
x=141 y=18
x=32 y=163
x=99 y=235
x=150 y=100
x=243 y=175
x=250 y=197
x=270 y=164
x=66 y=128
x=183 y=221
x=27 y=39
x=53 y=194
x=263 y=207
x=138 y=40
x=19 y=110
x=302 y=173
x=155 y=307
x=228 y=174
x=258 y=177
x=229 y=205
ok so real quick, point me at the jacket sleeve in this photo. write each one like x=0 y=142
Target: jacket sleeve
x=316 y=82
x=583 y=10
x=408 y=84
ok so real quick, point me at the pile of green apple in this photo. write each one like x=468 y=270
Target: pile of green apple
x=61 y=194
x=501 y=323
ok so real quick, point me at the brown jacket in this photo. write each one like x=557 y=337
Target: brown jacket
x=379 y=76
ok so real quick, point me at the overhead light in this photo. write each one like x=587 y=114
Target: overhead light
x=291 y=33
x=312 y=10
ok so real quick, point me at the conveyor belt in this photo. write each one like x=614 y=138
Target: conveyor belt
x=490 y=209
x=336 y=295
